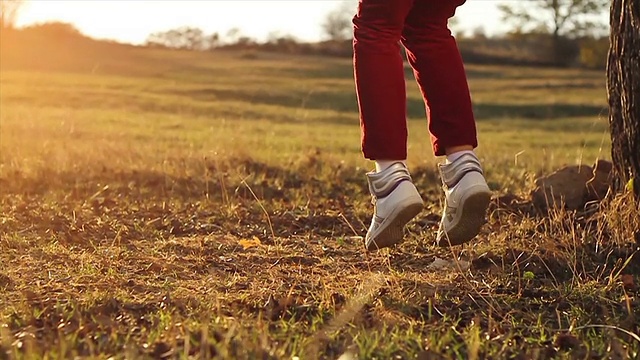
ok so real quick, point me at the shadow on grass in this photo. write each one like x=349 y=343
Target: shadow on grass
x=536 y=111
x=322 y=100
x=346 y=102
x=561 y=85
x=344 y=70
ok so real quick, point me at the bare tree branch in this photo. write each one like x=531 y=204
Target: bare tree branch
x=560 y=17
x=9 y=10
x=337 y=24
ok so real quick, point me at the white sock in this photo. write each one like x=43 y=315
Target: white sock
x=456 y=155
x=382 y=165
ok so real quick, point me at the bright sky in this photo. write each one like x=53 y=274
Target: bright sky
x=133 y=20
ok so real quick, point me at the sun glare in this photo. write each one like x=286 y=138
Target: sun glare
x=133 y=21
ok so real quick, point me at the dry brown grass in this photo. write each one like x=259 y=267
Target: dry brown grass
x=140 y=221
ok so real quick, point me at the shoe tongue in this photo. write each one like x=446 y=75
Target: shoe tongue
x=394 y=167
x=455 y=156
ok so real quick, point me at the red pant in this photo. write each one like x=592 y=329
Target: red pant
x=421 y=26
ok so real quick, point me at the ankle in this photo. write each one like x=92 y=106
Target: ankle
x=382 y=165
x=452 y=157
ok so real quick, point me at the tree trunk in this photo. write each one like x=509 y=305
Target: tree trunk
x=623 y=89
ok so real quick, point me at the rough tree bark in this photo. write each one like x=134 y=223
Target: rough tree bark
x=623 y=89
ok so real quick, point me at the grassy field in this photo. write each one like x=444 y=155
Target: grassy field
x=166 y=204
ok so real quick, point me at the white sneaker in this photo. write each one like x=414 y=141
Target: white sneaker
x=467 y=198
x=396 y=202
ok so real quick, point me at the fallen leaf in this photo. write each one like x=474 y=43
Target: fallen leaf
x=627 y=282
x=249 y=243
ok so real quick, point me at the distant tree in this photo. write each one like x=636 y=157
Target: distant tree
x=593 y=52
x=623 y=89
x=188 y=38
x=194 y=38
x=55 y=29
x=559 y=18
x=244 y=41
x=212 y=41
x=233 y=35
x=9 y=10
x=277 y=41
x=337 y=25
x=235 y=38
x=479 y=32
x=278 y=38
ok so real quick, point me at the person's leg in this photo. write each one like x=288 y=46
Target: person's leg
x=380 y=86
x=439 y=71
x=440 y=74
x=379 y=77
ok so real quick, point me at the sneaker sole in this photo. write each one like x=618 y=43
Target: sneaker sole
x=393 y=233
x=472 y=217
